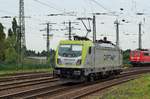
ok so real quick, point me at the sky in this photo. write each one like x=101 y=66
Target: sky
x=39 y=10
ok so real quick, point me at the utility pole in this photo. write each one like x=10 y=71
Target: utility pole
x=21 y=37
x=117 y=32
x=94 y=34
x=48 y=30
x=48 y=44
x=19 y=47
x=69 y=30
x=94 y=29
x=140 y=36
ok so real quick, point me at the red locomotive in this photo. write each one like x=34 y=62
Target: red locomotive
x=140 y=57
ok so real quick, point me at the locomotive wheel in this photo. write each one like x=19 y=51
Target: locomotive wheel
x=91 y=78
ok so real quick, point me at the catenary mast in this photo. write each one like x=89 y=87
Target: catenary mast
x=22 y=43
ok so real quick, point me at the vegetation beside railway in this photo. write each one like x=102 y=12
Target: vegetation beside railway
x=10 y=55
x=126 y=54
x=136 y=89
x=7 y=69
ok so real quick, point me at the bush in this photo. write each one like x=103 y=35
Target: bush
x=10 y=55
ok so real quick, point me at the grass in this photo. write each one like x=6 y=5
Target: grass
x=7 y=69
x=135 y=89
x=9 y=72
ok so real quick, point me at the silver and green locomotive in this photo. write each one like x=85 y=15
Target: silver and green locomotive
x=84 y=60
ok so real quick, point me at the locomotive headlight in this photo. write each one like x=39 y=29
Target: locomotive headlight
x=138 y=58
x=79 y=62
x=59 y=61
x=57 y=71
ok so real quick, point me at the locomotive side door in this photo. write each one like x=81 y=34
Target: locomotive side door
x=90 y=57
x=93 y=57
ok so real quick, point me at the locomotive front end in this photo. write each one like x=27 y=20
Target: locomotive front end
x=70 y=57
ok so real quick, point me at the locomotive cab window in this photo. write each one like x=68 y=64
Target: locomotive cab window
x=146 y=54
x=70 y=50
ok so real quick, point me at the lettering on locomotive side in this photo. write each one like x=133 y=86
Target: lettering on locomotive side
x=109 y=57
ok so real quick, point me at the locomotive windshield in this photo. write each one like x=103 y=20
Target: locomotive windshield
x=70 y=50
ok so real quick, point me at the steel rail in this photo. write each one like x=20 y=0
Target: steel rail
x=6 y=94
x=24 y=83
x=24 y=76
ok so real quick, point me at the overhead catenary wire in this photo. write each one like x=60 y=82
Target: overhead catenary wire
x=62 y=11
x=90 y=5
x=45 y=4
x=100 y=5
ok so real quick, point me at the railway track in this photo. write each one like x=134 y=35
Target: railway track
x=21 y=76
x=29 y=89
x=26 y=82
x=90 y=89
x=81 y=91
x=11 y=84
x=48 y=87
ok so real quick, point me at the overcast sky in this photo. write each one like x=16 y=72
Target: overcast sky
x=39 y=9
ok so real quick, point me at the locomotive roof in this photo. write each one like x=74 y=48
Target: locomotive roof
x=108 y=45
x=145 y=50
x=76 y=42
x=88 y=43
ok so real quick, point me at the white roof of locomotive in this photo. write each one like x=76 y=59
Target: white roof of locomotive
x=106 y=45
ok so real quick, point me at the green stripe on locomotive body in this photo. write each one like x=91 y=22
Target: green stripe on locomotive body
x=85 y=48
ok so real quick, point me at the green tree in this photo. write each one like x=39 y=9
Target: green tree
x=14 y=30
x=14 y=26
x=2 y=34
x=10 y=55
x=11 y=44
x=126 y=55
x=10 y=52
x=11 y=39
x=2 y=43
x=10 y=33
